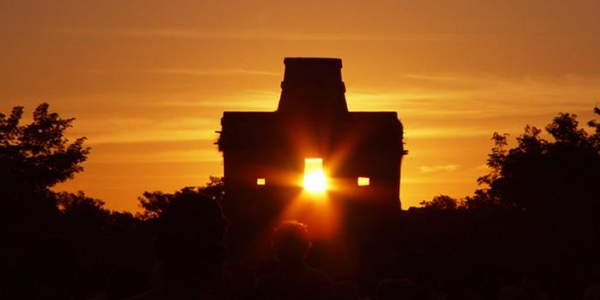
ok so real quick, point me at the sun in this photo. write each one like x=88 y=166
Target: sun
x=315 y=180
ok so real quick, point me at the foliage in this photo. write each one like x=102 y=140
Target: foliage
x=442 y=202
x=37 y=156
x=541 y=174
x=83 y=218
x=214 y=188
x=33 y=158
x=155 y=203
x=82 y=212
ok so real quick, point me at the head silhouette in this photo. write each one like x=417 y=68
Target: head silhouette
x=291 y=243
x=190 y=239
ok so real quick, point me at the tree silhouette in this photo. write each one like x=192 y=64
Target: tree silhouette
x=541 y=174
x=33 y=158
x=82 y=215
x=155 y=203
x=36 y=156
x=442 y=202
x=214 y=188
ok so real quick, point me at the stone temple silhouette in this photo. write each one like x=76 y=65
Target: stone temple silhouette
x=265 y=153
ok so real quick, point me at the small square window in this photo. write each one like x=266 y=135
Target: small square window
x=261 y=181
x=364 y=181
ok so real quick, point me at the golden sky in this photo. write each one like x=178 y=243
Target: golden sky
x=148 y=80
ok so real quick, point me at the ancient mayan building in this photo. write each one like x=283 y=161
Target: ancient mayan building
x=267 y=153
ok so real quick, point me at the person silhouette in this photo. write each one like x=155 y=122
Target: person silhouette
x=293 y=279
x=190 y=247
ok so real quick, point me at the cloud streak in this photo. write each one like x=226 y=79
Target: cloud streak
x=176 y=33
x=178 y=71
x=440 y=168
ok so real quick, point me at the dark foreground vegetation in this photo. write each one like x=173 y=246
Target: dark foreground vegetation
x=531 y=232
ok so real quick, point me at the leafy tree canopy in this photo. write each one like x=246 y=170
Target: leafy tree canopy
x=37 y=156
x=544 y=174
x=155 y=203
x=82 y=213
x=442 y=202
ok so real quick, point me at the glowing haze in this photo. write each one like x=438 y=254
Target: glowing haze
x=148 y=80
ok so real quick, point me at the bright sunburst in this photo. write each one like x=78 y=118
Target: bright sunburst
x=315 y=180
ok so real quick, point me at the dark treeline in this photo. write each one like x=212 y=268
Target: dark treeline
x=531 y=231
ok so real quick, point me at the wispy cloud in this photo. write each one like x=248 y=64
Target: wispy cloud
x=179 y=71
x=440 y=168
x=446 y=132
x=140 y=130
x=479 y=96
x=435 y=77
x=157 y=156
x=238 y=101
x=212 y=72
x=258 y=35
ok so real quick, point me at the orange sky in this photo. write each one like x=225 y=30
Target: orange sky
x=148 y=80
